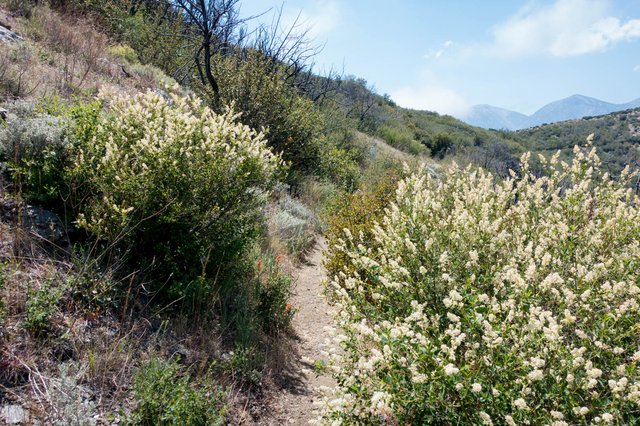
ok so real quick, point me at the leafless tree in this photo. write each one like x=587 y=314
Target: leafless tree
x=290 y=47
x=217 y=29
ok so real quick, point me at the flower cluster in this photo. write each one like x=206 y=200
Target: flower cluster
x=494 y=302
x=157 y=163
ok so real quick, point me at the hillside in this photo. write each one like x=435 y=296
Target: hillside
x=196 y=229
x=617 y=137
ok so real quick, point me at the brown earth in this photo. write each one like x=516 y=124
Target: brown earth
x=294 y=404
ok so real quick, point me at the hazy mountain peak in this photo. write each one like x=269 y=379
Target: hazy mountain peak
x=572 y=107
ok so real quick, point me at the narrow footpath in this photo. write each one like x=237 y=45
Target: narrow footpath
x=312 y=325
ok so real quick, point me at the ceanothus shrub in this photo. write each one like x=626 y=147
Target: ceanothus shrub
x=167 y=182
x=481 y=301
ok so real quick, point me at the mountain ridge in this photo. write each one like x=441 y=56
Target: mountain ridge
x=572 y=107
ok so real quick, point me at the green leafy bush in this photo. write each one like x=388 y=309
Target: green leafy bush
x=257 y=86
x=165 y=395
x=485 y=302
x=166 y=175
x=401 y=138
x=33 y=144
x=338 y=165
x=41 y=306
x=258 y=308
x=124 y=53
x=272 y=291
x=357 y=212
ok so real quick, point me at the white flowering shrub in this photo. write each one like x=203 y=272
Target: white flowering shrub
x=494 y=302
x=169 y=181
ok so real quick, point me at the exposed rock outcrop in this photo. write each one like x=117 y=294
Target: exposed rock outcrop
x=8 y=36
x=44 y=223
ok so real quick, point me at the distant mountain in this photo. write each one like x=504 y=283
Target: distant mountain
x=491 y=117
x=576 y=106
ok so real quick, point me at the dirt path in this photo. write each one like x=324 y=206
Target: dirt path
x=294 y=405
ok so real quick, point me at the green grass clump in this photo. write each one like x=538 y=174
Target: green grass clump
x=41 y=306
x=165 y=394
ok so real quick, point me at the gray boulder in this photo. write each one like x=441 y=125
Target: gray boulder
x=8 y=36
x=42 y=222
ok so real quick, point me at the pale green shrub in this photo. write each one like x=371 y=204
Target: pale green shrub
x=167 y=177
x=33 y=145
x=294 y=225
x=31 y=136
x=485 y=302
x=166 y=395
x=124 y=52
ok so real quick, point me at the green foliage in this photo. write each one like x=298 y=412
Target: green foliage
x=256 y=86
x=357 y=212
x=616 y=137
x=401 y=138
x=156 y=33
x=165 y=395
x=33 y=145
x=168 y=177
x=259 y=306
x=439 y=144
x=244 y=366
x=494 y=302
x=41 y=306
x=337 y=165
x=317 y=195
x=272 y=291
x=124 y=52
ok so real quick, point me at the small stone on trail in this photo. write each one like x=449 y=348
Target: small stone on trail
x=14 y=415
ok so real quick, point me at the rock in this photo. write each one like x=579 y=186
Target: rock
x=36 y=219
x=9 y=36
x=3 y=113
x=14 y=415
x=44 y=223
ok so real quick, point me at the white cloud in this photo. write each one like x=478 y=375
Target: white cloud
x=437 y=54
x=564 y=28
x=321 y=18
x=431 y=96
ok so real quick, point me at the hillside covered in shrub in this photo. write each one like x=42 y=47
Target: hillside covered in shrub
x=165 y=174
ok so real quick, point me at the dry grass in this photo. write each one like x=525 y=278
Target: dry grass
x=82 y=363
x=65 y=55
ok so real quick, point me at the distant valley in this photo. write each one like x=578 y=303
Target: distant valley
x=576 y=106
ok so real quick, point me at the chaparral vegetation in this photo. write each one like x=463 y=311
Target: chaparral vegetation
x=187 y=210
x=484 y=301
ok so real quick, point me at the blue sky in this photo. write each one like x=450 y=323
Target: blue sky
x=445 y=56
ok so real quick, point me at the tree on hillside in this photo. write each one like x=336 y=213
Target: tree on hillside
x=217 y=28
